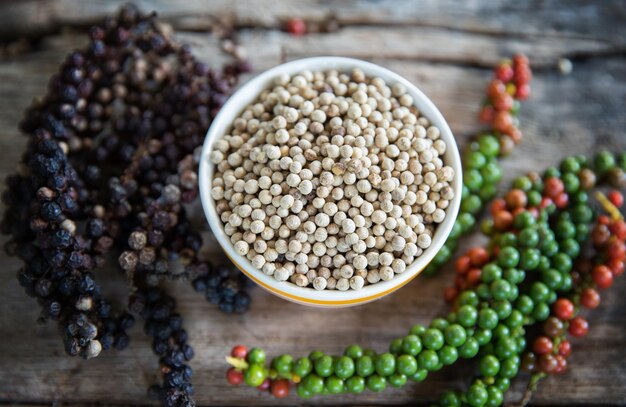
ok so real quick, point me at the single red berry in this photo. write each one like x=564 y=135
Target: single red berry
x=616 y=198
x=239 y=351
x=502 y=120
x=618 y=228
x=553 y=187
x=504 y=72
x=520 y=59
x=460 y=283
x=478 y=256
x=545 y=202
x=542 y=345
x=280 y=388
x=514 y=134
x=496 y=87
x=604 y=219
x=265 y=385
x=616 y=250
x=296 y=26
x=486 y=114
x=561 y=364
x=522 y=75
x=563 y=309
x=565 y=348
x=616 y=266
x=462 y=264
x=503 y=101
x=473 y=276
x=234 y=376
x=602 y=276
x=548 y=363
x=522 y=91
x=561 y=200
x=502 y=220
x=578 y=327
x=590 y=298
x=450 y=294
x=497 y=205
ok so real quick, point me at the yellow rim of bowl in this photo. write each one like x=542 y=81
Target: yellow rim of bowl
x=322 y=302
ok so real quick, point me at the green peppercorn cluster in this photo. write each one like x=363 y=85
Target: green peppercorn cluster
x=529 y=269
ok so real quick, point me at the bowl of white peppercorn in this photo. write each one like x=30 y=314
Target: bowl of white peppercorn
x=330 y=181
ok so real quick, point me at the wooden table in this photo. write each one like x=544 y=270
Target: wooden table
x=445 y=47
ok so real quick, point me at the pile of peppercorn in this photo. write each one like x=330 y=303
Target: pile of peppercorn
x=109 y=168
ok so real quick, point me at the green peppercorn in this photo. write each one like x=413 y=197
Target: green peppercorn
x=418 y=330
x=534 y=198
x=448 y=355
x=468 y=298
x=552 y=278
x=495 y=397
x=562 y=262
x=455 y=335
x=353 y=351
x=466 y=220
x=254 y=375
x=603 y=162
x=344 y=367
x=355 y=384
x=433 y=339
x=385 y=364
x=483 y=291
x=334 y=385
x=469 y=349
x=315 y=354
x=303 y=392
x=552 y=172
x=508 y=239
x=539 y=292
x=370 y=352
x=376 y=383
x=524 y=304
x=515 y=320
x=503 y=308
x=256 y=356
x=324 y=366
x=406 y=365
x=502 y=383
x=514 y=276
x=487 y=319
x=467 y=315
x=477 y=395
x=501 y=331
x=528 y=237
x=428 y=360
x=571 y=182
x=482 y=336
x=449 y=399
x=314 y=383
x=570 y=247
x=500 y=289
x=530 y=259
x=508 y=257
x=473 y=180
x=491 y=272
x=283 y=364
x=396 y=346
x=475 y=159
x=364 y=366
x=487 y=191
x=570 y=164
x=303 y=366
x=397 y=380
x=509 y=367
x=489 y=366
x=541 y=311
x=411 y=344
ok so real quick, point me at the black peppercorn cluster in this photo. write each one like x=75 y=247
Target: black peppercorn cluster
x=109 y=168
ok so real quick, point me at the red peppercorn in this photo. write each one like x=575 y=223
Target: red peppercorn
x=478 y=256
x=280 y=388
x=616 y=198
x=504 y=72
x=553 y=187
x=578 y=327
x=520 y=59
x=239 y=351
x=486 y=114
x=548 y=363
x=496 y=87
x=514 y=134
x=265 y=385
x=234 y=377
x=497 y=205
x=561 y=364
x=616 y=266
x=542 y=345
x=616 y=250
x=502 y=120
x=450 y=294
x=618 y=228
x=296 y=26
x=602 y=276
x=516 y=198
x=590 y=298
x=502 y=220
x=604 y=219
x=462 y=265
x=460 y=283
x=563 y=309
x=473 y=276
x=561 y=200
x=565 y=348
x=504 y=101
x=522 y=91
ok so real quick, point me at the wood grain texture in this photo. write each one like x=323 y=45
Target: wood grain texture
x=443 y=47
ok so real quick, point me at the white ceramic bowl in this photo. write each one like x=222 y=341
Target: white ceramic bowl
x=247 y=94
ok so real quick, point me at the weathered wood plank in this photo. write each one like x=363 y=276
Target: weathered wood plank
x=501 y=17
x=578 y=113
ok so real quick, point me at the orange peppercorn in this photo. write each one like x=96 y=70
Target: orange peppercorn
x=502 y=220
x=502 y=121
x=478 y=256
x=516 y=198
